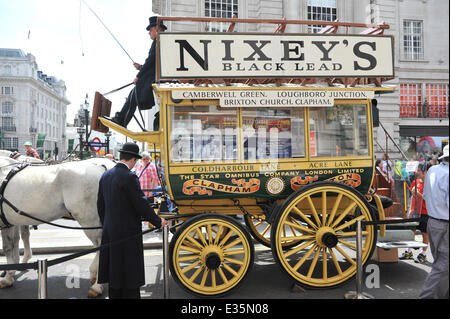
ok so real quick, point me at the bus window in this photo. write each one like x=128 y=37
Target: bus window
x=273 y=133
x=203 y=133
x=340 y=130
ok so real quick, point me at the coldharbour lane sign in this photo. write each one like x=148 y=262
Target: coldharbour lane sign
x=206 y=55
x=272 y=98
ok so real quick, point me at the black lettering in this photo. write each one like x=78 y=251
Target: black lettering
x=257 y=50
x=184 y=45
x=227 y=56
x=226 y=66
x=288 y=49
x=279 y=66
x=325 y=52
x=372 y=60
x=337 y=66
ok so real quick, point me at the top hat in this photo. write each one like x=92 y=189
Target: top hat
x=131 y=148
x=445 y=152
x=153 y=20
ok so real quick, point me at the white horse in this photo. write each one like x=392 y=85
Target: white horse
x=48 y=193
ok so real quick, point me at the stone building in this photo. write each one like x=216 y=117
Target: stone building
x=416 y=115
x=33 y=105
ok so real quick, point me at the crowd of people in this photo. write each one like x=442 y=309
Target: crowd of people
x=428 y=200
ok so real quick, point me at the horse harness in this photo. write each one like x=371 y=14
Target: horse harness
x=5 y=182
x=4 y=220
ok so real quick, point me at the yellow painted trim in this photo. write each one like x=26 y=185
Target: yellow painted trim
x=147 y=137
x=230 y=167
x=381 y=215
x=164 y=126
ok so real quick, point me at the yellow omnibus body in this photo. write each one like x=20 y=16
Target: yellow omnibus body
x=294 y=158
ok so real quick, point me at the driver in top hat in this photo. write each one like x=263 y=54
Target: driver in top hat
x=142 y=94
x=121 y=204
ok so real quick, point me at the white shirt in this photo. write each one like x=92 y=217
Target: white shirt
x=436 y=191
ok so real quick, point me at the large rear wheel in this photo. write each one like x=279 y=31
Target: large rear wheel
x=325 y=214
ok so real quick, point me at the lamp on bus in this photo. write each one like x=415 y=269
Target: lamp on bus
x=375 y=113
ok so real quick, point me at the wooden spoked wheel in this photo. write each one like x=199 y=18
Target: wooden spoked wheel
x=210 y=254
x=261 y=229
x=326 y=214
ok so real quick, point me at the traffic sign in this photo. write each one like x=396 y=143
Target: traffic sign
x=96 y=144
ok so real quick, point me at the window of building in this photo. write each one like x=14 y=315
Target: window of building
x=10 y=143
x=412 y=40
x=340 y=130
x=7 y=70
x=437 y=100
x=8 y=124
x=321 y=10
x=203 y=133
x=7 y=90
x=273 y=133
x=410 y=100
x=220 y=9
x=424 y=100
x=7 y=107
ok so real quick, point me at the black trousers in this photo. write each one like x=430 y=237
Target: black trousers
x=124 y=293
x=126 y=113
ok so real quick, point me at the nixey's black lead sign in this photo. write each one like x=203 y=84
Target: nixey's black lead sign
x=274 y=55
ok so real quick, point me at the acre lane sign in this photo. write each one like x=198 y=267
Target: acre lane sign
x=272 y=98
x=207 y=55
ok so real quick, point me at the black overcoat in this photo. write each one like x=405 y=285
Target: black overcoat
x=146 y=77
x=120 y=204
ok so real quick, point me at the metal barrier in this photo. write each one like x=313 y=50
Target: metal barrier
x=359 y=294
x=166 y=261
x=42 y=279
x=42 y=264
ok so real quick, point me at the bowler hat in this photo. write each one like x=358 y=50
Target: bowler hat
x=131 y=148
x=153 y=21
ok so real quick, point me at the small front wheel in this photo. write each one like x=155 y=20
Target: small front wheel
x=210 y=255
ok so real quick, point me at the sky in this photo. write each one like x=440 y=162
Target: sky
x=70 y=43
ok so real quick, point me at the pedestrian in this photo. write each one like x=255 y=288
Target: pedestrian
x=121 y=204
x=436 y=195
x=418 y=207
x=142 y=93
x=30 y=151
x=110 y=156
x=386 y=165
x=146 y=172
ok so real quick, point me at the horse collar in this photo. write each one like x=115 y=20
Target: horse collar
x=16 y=169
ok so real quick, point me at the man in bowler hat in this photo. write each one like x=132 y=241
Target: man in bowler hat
x=142 y=93
x=121 y=204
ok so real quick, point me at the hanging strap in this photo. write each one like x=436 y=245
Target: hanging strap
x=139 y=177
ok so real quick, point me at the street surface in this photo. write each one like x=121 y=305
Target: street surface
x=70 y=280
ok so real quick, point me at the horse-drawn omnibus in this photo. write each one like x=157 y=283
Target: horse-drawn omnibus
x=276 y=128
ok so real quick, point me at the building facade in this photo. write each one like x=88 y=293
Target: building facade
x=415 y=116
x=33 y=106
